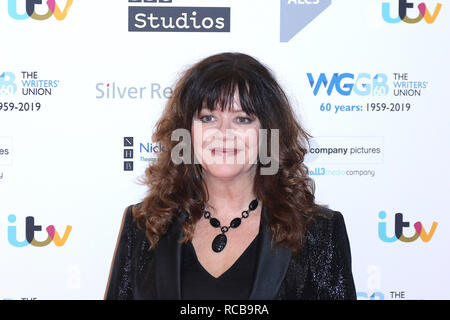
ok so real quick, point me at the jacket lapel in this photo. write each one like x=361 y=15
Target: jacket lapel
x=271 y=266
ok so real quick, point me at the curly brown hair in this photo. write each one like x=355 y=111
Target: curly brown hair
x=212 y=82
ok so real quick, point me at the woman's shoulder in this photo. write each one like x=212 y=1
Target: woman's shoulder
x=129 y=221
x=128 y=217
x=326 y=213
x=326 y=222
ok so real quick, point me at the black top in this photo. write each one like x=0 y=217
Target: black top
x=234 y=284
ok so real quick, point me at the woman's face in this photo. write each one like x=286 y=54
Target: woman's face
x=226 y=143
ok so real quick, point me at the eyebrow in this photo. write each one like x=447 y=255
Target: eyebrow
x=233 y=111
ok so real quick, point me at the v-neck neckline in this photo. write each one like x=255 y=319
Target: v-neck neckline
x=233 y=266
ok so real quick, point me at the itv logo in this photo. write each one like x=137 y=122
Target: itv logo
x=400 y=224
x=30 y=229
x=403 y=6
x=31 y=12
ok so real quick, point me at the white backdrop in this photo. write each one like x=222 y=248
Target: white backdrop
x=63 y=164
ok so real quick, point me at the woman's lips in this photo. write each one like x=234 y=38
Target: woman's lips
x=224 y=151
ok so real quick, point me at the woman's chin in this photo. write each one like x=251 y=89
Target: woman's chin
x=225 y=171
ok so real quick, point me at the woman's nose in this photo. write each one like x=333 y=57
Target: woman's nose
x=226 y=130
x=224 y=123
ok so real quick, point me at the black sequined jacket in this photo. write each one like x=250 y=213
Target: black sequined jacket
x=322 y=270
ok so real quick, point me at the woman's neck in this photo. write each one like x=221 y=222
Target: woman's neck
x=229 y=197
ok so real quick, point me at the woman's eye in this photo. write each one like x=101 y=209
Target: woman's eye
x=244 y=120
x=208 y=117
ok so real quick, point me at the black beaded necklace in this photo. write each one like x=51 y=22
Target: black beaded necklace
x=220 y=241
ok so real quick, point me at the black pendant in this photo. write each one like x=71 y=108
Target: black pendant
x=219 y=242
x=253 y=205
x=214 y=222
x=236 y=222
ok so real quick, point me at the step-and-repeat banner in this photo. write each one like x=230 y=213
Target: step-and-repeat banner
x=82 y=84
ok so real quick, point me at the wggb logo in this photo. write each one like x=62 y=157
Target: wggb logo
x=346 y=83
x=32 y=9
x=403 y=6
x=30 y=84
x=7 y=83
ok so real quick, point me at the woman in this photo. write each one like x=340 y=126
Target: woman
x=229 y=221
